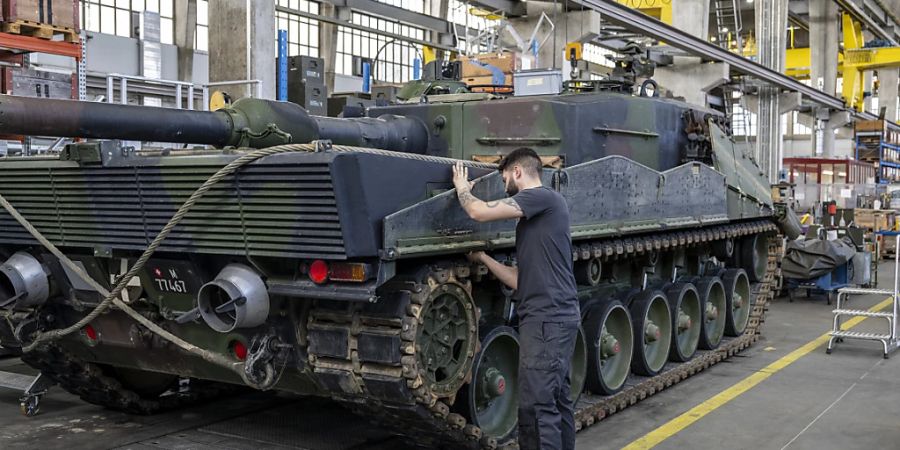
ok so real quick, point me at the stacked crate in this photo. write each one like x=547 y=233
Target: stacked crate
x=306 y=84
x=874 y=219
x=878 y=141
x=28 y=82
x=41 y=18
x=877 y=220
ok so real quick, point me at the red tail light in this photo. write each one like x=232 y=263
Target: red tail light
x=90 y=332
x=318 y=271
x=239 y=350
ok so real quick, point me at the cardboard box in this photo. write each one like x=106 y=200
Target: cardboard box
x=884 y=130
x=874 y=219
x=62 y=13
x=869 y=125
x=506 y=62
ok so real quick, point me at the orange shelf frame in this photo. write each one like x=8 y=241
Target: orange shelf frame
x=13 y=46
x=16 y=43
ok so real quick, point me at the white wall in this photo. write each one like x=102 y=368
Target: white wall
x=800 y=147
x=116 y=54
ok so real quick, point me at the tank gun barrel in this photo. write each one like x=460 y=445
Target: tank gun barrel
x=248 y=123
x=66 y=118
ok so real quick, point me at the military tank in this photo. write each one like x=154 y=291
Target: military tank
x=326 y=256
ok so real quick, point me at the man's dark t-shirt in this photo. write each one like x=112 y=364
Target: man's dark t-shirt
x=546 y=284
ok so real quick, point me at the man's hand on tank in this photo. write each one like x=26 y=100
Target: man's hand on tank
x=463 y=185
x=477 y=209
x=461 y=177
x=476 y=257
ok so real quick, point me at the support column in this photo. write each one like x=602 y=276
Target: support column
x=868 y=87
x=692 y=17
x=441 y=10
x=328 y=33
x=887 y=92
x=823 y=40
x=689 y=77
x=771 y=21
x=242 y=45
x=185 y=28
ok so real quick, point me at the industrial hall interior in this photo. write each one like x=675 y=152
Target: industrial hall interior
x=449 y=224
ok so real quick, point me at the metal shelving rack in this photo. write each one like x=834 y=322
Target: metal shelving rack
x=15 y=47
x=870 y=145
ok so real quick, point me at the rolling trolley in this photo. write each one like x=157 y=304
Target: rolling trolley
x=890 y=341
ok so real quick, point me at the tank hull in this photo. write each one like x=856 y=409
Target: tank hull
x=369 y=299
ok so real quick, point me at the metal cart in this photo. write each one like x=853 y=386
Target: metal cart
x=827 y=284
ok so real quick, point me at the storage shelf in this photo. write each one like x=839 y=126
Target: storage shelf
x=13 y=47
x=15 y=44
x=880 y=148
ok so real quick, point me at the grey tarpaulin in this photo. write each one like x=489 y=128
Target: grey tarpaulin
x=814 y=257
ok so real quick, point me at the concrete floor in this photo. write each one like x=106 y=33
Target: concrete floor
x=838 y=401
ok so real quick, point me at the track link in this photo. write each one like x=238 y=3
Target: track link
x=94 y=385
x=365 y=355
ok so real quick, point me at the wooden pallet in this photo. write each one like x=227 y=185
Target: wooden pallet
x=39 y=30
x=874 y=142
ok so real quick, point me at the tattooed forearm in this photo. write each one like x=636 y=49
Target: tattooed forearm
x=506 y=201
x=465 y=197
x=481 y=211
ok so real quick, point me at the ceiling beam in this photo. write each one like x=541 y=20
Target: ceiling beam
x=859 y=13
x=647 y=26
x=510 y=8
x=348 y=24
x=396 y=13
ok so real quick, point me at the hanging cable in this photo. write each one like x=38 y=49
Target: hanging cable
x=111 y=297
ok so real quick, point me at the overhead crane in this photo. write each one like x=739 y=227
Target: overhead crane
x=853 y=61
x=859 y=59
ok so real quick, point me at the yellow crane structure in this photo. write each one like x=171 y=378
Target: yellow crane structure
x=858 y=60
x=660 y=10
x=853 y=61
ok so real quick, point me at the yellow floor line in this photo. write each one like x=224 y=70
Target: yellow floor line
x=696 y=413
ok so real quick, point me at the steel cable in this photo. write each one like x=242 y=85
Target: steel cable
x=112 y=297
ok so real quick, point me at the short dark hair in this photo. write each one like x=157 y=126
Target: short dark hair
x=526 y=158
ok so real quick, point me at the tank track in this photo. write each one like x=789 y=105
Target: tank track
x=379 y=379
x=385 y=386
x=92 y=384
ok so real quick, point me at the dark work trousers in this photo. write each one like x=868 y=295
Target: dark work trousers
x=546 y=419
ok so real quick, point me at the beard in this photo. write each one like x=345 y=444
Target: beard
x=511 y=188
